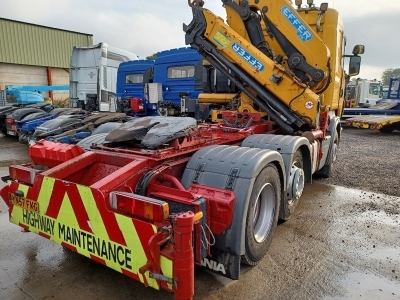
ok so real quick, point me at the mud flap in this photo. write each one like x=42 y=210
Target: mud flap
x=223 y=263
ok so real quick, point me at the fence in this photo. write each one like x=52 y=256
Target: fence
x=3 y=98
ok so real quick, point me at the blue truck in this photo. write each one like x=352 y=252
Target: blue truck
x=131 y=79
x=146 y=87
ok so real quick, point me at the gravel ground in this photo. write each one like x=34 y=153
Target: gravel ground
x=368 y=160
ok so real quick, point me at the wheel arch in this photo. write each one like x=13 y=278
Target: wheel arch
x=286 y=145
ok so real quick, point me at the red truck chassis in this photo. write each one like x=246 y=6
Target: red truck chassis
x=126 y=207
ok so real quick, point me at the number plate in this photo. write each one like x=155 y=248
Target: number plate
x=10 y=132
x=24 y=203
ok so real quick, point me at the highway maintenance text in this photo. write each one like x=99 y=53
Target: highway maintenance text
x=80 y=239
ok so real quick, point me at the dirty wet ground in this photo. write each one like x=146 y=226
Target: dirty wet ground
x=12 y=152
x=341 y=243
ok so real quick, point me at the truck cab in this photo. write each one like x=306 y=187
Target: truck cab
x=174 y=73
x=176 y=70
x=363 y=93
x=93 y=75
x=131 y=77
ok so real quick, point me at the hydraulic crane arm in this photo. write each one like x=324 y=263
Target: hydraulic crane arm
x=287 y=100
x=305 y=53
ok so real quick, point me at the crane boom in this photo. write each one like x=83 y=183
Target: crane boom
x=288 y=101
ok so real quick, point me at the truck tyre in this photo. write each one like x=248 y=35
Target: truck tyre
x=262 y=215
x=288 y=206
x=22 y=138
x=326 y=170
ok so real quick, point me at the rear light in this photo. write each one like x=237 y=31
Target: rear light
x=137 y=105
x=139 y=206
x=10 y=121
x=23 y=174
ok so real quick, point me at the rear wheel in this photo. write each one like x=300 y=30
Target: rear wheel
x=262 y=215
x=23 y=138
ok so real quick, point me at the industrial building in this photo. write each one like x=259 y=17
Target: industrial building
x=32 y=54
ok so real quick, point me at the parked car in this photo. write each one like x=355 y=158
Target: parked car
x=27 y=126
x=20 y=114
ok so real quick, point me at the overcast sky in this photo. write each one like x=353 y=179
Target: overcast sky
x=146 y=27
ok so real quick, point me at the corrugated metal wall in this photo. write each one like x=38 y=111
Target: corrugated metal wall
x=30 y=44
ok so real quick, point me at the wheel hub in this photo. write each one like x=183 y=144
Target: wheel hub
x=296 y=183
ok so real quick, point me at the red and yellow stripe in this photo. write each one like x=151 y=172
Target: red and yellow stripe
x=83 y=208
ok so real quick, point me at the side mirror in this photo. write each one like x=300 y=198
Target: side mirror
x=354 y=65
x=358 y=49
x=323 y=7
